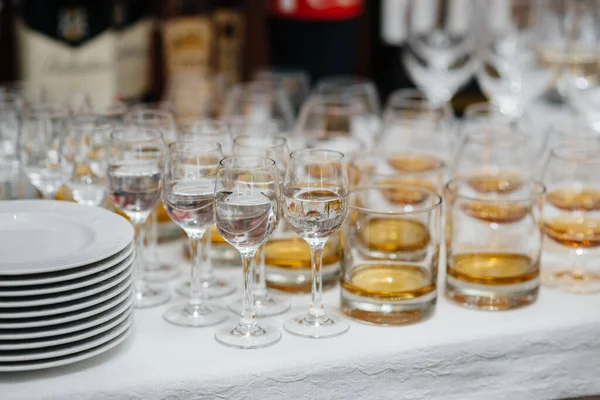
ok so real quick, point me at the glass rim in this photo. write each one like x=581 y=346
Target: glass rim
x=539 y=188
x=295 y=155
x=210 y=145
x=269 y=163
x=278 y=141
x=425 y=209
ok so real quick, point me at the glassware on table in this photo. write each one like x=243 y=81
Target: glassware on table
x=163 y=121
x=246 y=214
x=315 y=205
x=390 y=254
x=89 y=136
x=46 y=156
x=440 y=48
x=134 y=177
x=493 y=245
x=188 y=194
x=274 y=148
x=295 y=82
x=572 y=214
x=511 y=72
x=259 y=101
x=11 y=107
x=240 y=126
x=211 y=129
x=409 y=104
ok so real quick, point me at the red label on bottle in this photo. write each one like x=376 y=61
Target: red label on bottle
x=319 y=10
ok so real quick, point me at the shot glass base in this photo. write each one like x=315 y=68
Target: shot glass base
x=212 y=290
x=264 y=306
x=258 y=336
x=149 y=297
x=492 y=298
x=326 y=326
x=572 y=280
x=386 y=312
x=189 y=315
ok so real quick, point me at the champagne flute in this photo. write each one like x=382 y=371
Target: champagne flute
x=135 y=163
x=188 y=198
x=275 y=148
x=247 y=214
x=315 y=192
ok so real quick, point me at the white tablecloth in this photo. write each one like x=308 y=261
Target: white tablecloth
x=549 y=350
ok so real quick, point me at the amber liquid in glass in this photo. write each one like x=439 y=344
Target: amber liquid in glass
x=496 y=212
x=503 y=183
x=575 y=200
x=493 y=268
x=574 y=231
x=410 y=163
x=394 y=235
x=294 y=253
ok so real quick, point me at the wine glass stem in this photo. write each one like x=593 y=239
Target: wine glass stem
x=151 y=243
x=316 y=255
x=196 y=250
x=260 y=281
x=248 y=317
x=137 y=273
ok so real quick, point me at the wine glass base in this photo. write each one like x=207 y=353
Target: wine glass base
x=150 y=297
x=190 y=315
x=256 y=337
x=212 y=290
x=161 y=273
x=266 y=305
x=575 y=280
x=316 y=328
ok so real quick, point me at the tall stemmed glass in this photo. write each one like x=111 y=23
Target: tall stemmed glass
x=247 y=213
x=188 y=196
x=440 y=50
x=162 y=121
x=45 y=154
x=135 y=164
x=275 y=148
x=315 y=192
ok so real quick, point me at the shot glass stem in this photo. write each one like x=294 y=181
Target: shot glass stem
x=196 y=275
x=248 y=317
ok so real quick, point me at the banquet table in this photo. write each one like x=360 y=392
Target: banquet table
x=549 y=350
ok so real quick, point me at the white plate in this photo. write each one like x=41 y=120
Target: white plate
x=63 y=276
x=63 y=318
x=69 y=285
x=70 y=359
x=18 y=313
x=64 y=329
x=66 y=349
x=68 y=338
x=41 y=236
x=71 y=295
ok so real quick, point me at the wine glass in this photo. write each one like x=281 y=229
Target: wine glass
x=315 y=206
x=134 y=176
x=246 y=214
x=260 y=101
x=405 y=104
x=204 y=128
x=238 y=125
x=295 y=82
x=572 y=213
x=440 y=49
x=188 y=197
x=511 y=73
x=90 y=136
x=274 y=148
x=163 y=121
x=46 y=156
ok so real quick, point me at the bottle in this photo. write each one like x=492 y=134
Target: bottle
x=229 y=25
x=68 y=46
x=133 y=24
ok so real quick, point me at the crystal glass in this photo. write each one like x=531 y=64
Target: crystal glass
x=494 y=244
x=295 y=82
x=134 y=177
x=46 y=156
x=188 y=196
x=89 y=136
x=274 y=148
x=572 y=215
x=163 y=121
x=260 y=101
x=440 y=49
x=315 y=206
x=390 y=254
x=211 y=129
x=246 y=214
x=511 y=72
x=10 y=124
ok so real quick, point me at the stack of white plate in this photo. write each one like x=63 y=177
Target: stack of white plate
x=65 y=283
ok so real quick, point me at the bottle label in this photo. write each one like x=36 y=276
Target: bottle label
x=133 y=59
x=319 y=10
x=72 y=55
x=187 y=45
x=229 y=31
